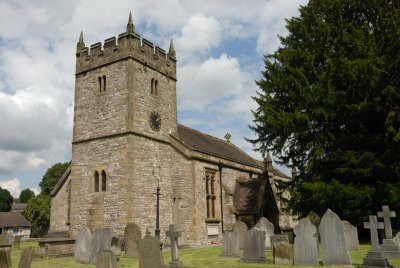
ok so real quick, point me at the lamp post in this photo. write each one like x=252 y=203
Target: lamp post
x=157 y=231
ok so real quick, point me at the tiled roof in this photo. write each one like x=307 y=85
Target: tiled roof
x=201 y=142
x=13 y=219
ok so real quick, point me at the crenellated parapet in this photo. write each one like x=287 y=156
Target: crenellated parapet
x=128 y=45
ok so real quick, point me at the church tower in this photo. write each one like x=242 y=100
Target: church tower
x=125 y=111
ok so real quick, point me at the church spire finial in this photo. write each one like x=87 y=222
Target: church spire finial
x=130 y=28
x=171 y=51
x=81 y=44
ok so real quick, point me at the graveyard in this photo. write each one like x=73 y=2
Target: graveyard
x=202 y=257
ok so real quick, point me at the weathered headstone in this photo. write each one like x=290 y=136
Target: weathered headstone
x=173 y=234
x=17 y=241
x=254 y=246
x=305 y=243
x=101 y=241
x=5 y=258
x=278 y=238
x=373 y=225
x=333 y=241
x=265 y=225
x=351 y=235
x=239 y=228
x=26 y=258
x=230 y=244
x=150 y=254
x=106 y=259
x=116 y=245
x=4 y=239
x=390 y=247
x=83 y=246
x=314 y=218
x=386 y=214
x=132 y=236
x=283 y=253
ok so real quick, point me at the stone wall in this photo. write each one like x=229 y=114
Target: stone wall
x=59 y=209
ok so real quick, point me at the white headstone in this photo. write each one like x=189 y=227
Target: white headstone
x=83 y=246
x=333 y=241
x=265 y=225
x=239 y=228
x=351 y=235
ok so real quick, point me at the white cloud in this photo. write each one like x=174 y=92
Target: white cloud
x=36 y=191
x=199 y=35
x=13 y=186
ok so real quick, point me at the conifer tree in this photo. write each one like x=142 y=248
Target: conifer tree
x=329 y=105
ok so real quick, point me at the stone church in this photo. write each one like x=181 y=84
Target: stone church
x=127 y=141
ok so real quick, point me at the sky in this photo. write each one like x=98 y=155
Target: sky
x=219 y=47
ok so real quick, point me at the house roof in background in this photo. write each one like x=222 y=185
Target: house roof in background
x=13 y=219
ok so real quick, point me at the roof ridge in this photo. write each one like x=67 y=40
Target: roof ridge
x=216 y=138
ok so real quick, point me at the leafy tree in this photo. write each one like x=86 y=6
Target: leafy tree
x=26 y=195
x=6 y=200
x=329 y=105
x=37 y=212
x=52 y=175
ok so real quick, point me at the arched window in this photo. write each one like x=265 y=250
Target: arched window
x=104 y=83
x=99 y=84
x=103 y=181
x=96 y=181
x=152 y=86
x=156 y=87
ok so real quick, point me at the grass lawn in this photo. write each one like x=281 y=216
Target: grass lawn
x=200 y=258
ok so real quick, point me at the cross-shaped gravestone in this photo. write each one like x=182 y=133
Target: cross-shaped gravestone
x=373 y=225
x=173 y=234
x=386 y=214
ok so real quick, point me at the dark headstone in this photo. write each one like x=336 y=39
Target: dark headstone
x=132 y=236
x=254 y=246
x=116 y=245
x=5 y=258
x=26 y=258
x=278 y=238
x=106 y=259
x=83 y=246
x=283 y=253
x=101 y=241
x=230 y=244
x=150 y=254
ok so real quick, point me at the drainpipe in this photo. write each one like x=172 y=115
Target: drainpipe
x=220 y=166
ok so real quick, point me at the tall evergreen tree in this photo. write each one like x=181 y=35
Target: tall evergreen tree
x=329 y=105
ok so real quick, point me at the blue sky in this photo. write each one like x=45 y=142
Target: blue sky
x=219 y=45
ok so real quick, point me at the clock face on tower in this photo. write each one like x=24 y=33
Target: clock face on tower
x=155 y=121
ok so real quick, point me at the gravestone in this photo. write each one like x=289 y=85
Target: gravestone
x=132 y=236
x=314 y=218
x=83 y=246
x=101 y=241
x=116 y=245
x=26 y=258
x=305 y=243
x=106 y=259
x=351 y=235
x=254 y=246
x=239 y=228
x=265 y=225
x=173 y=234
x=150 y=254
x=17 y=241
x=278 y=238
x=5 y=258
x=4 y=239
x=373 y=225
x=333 y=241
x=390 y=247
x=386 y=214
x=230 y=244
x=283 y=253
x=374 y=258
